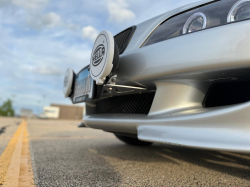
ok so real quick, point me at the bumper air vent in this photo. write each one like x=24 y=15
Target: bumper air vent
x=222 y=94
x=126 y=104
x=122 y=39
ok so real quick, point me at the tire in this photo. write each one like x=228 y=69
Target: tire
x=132 y=141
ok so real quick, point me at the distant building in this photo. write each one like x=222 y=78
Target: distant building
x=26 y=113
x=69 y=111
x=50 y=112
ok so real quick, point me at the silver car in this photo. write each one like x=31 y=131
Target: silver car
x=180 y=78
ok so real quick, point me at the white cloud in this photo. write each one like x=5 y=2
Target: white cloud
x=119 y=12
x=48 y=20
x=30 y=4
x=72 y=26
x=51 y=19
x=44 y=70
x=4 y=3
x=89 y=32
x=30 y=12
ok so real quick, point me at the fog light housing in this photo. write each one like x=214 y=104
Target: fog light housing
x=68 y=82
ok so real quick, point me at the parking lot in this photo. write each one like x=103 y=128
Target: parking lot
x=58 y=153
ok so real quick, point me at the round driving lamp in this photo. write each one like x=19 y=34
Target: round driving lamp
x=195 y=22
x=68 y=82
x=239 y=11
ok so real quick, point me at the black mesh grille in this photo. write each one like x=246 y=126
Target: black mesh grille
x=126 y=104
x=122 y=39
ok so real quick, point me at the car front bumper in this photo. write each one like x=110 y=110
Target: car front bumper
x=181 y=70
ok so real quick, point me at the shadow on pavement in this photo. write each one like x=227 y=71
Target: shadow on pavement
x=234 y=164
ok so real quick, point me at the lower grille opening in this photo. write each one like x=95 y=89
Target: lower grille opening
x=222 y=94
x=126 y=104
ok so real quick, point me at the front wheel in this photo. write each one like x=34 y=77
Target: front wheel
x=132 y=141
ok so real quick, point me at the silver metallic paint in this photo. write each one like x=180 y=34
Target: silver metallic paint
x=215 y=49
x=223 y=128
x=171 y=97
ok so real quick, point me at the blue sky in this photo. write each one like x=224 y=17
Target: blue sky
x=40 y=39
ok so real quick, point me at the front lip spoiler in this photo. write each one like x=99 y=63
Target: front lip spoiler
x=221 y=128
x=81 y=124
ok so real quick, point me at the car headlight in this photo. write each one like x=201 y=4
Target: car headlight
x=68 y=82
x=212 y=14
x=240 y=11
x=195 y=22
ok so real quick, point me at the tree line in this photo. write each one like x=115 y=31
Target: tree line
x=7 y=109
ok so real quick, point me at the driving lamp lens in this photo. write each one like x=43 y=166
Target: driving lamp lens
x=240 y=11
x=68 y=81
x=66 y=78
x=196 y=22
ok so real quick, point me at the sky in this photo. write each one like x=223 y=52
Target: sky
x=40 y=39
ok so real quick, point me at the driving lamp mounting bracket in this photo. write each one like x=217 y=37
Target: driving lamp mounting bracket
x=112 y=89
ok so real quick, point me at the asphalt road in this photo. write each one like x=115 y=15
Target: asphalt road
x=64 y=155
